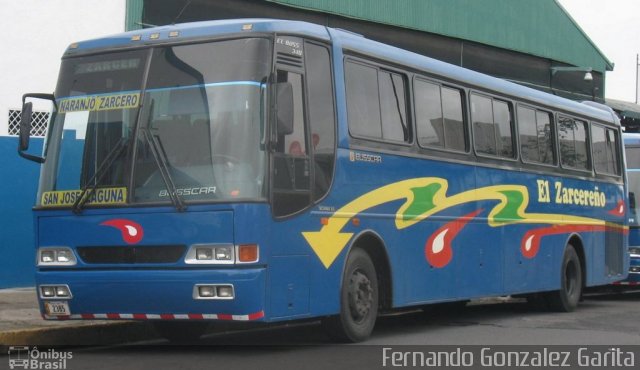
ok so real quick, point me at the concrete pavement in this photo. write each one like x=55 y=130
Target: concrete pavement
x=21 y=324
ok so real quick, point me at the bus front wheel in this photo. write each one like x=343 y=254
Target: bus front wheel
x=359 y=298
x=566 y=299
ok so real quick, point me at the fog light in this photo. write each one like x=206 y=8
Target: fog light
x=224 y=253
x=47 y=256
x=204 y=253
x=206 y=291
x=47 y=291
x=225 y=291
x=62 y=291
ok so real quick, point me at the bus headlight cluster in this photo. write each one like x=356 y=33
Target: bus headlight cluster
x=211 y=254
x=213 y=291
x=56 y=256
x=634 y=250
x=634 y=269
x=55 y=291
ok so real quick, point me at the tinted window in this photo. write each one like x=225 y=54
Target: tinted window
x=453 y=119
x=291 y=178
x=363 y=105
x=321 y=116
x=502 y=125
x=429 y=114
x=605 y=157
x=633 y=157
x=439 y=116
x=376 y=103
x=484 y=135
x=572 y=136
x=393 y=107
x=534 y=128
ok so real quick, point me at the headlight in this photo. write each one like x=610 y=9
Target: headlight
x=210 y=254
x=56 y=256
x=634 y=250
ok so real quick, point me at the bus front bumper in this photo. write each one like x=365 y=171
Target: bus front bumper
x=153 y=294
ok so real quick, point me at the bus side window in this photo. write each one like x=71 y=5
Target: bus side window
x=572 y=136
x=605 y=156
x=492 y=126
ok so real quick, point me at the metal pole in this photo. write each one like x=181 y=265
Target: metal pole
x=637 y=63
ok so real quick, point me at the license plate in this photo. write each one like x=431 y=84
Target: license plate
x=57 y=308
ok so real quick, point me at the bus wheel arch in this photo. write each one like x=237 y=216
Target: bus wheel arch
x=363 y=287
x=572 y=277
x=576 y=241
x=373 y=245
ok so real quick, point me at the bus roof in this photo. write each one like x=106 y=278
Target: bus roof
x=346 y=40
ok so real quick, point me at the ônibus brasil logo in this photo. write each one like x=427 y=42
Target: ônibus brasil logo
x=24 y=357
x=132 y=232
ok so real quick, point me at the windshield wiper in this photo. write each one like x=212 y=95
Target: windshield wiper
x=160 y=158
x=92 y=184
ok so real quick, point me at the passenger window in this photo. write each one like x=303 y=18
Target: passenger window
x=393 y=107
x=493 y=131
x=376 y=103
x=363 y=102
x=429 y=118
x=439 y=116
x=484 y=136
x=572 y=136
x=534 y=127
x=605 y=152
x=455 y=133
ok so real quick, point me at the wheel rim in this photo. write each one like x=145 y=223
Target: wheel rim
x=360 y=296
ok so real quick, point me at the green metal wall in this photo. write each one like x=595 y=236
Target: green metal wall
x=536 y=27
x=133 y=16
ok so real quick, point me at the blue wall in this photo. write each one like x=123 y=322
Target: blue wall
x=18 y=186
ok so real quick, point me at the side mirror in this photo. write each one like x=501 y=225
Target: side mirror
x=284 y=96
x=25 y=125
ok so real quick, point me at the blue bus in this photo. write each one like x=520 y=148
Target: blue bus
x=632 y=151
x=268 y=170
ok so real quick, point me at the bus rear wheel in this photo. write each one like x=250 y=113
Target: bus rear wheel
x=567 y=297
x=359 y=299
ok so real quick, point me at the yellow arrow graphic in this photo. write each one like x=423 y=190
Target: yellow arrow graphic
x=329 y=241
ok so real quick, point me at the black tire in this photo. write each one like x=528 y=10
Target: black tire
x=181 y=332
x=566 y=299
x=359 y=299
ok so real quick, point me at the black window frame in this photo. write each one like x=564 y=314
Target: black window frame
x=408 y=95
x=553 y=135
x=589 y=169
x=514 y=133
x=616 y=148
x=465 y=115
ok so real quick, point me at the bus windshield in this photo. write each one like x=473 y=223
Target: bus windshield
x=198 y=119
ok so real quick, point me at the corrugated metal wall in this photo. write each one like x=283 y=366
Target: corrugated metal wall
x=527 y=26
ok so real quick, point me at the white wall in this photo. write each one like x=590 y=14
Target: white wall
x=36 y=33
